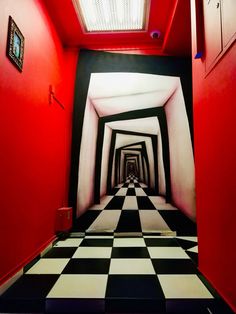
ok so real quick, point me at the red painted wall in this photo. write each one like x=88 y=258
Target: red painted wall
x=35 y=136
x=215 y=150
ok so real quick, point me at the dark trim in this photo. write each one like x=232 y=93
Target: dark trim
x=143 y=159
x=138 y=157
x=126 y=160
x=135 y=114
x=111 y=156
x=102 y=62
x=118 y=160
x=98 y=162
x=165 y=153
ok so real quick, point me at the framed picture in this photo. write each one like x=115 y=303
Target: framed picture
x=15 y=44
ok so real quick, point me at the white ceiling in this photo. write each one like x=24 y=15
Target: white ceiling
x=136 y=146
x=142 y=125
x=113 y=93
x=123 y=139
x=131 y=152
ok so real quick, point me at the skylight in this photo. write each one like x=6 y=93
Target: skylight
x=112 y=15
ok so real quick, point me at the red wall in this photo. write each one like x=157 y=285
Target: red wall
x=215 y=151
x=35 y=136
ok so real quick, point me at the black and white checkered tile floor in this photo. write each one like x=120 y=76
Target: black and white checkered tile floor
x=139 y=272
x=133 y=207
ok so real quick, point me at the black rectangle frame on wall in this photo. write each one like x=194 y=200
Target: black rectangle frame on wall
x=93 y=63
x=15 y=44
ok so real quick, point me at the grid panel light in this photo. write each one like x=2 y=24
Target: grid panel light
x=113 y=15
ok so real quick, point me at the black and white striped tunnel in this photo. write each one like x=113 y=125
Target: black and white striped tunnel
x=136 y=167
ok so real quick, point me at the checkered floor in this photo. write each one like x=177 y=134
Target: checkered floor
x=133 y=207
x=113 y=272
x=110 y=274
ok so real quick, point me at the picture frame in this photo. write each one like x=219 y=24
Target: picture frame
x=15 y=44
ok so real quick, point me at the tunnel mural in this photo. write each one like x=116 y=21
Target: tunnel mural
x=132 y=128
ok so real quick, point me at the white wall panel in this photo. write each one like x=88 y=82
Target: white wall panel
x=85 y=191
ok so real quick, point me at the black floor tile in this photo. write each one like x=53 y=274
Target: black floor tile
x=101 y=234
x=113 y=191
x=135 y=306
x=31 y=286
x=130 y=191
x=60 y=252
x=116 y=202
x=187 y=306
x=144 y=203
x=220 y=307
x=161 y=242
x=28 y=293
x=186 y=244
x=97 y=242
x=69 y=306
x=129 y=221
x=193 y=256
x=134 y=294
x=178 y=222
x=84 y=221
x=174 y=266
x=130 y=252
x=150 y=192
x=87 y=266
x=137 y=185
x=134 y=286
x=125 y=185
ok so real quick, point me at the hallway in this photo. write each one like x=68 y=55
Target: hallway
x=117 y=156
x=142 y=259
x=134 y=207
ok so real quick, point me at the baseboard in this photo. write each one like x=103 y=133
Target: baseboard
x=8 y=279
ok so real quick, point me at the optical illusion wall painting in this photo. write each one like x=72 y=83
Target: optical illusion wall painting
x=132 y=126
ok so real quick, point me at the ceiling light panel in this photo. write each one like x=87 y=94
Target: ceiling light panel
x=112 y=15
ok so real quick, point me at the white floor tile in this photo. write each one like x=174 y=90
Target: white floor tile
x=91 y=236
x=193 y=249
x=119 y=186
x=131 y=185
x=103 y=202
x=129 y=242
x=49 y=266
x=194 y=239
x=122 y=192
x=183 y=286
x=97 y=207
x=93 y=252
x=131 y=266
x=157 y=237
x=130 y=203
x=106 y=221
x=151 y=221
x=79 y=286
x=140 y=192
x=166 y=206
x=106 y=199
x=143 y=185
x=157 y=200
x=167 y=252
x=69 y=243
